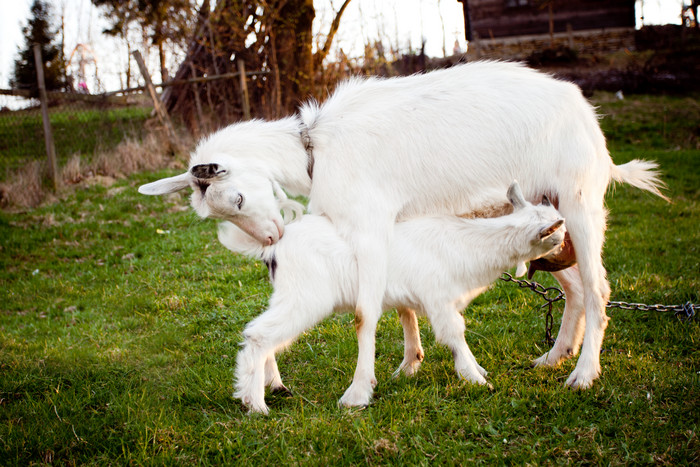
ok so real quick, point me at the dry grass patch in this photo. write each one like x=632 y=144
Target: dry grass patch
x=25 y=188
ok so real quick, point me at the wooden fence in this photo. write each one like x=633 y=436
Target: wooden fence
x=122 y=97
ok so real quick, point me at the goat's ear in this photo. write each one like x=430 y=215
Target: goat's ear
x=166 y=185
x=548 y=231
x=205 y=171
x=515 y=196
x=546 y=201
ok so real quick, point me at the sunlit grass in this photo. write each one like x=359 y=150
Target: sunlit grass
x=120 y=318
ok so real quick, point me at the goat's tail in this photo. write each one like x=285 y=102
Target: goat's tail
x=641 y=174
x=238 y=241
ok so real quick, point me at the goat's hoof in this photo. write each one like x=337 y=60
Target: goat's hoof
x=472 y=377
x=549 y=359
x=355 y=398
x=282 y=391
x=579 y=379
x=254 y=409
x=408 y=369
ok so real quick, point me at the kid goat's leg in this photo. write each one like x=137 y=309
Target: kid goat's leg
x=413 y=350
x=586 y=224
x=273 y=379
x=271 y=331
x=448 y=325
x=573 y=320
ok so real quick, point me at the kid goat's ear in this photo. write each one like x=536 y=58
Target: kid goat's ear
x=548 y=231
x=166 y=185
x=515 y=195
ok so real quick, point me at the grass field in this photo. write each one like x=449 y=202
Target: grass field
x=76 y=130
x=120 y=318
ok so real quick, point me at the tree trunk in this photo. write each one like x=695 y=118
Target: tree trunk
x=295 y=60
x=273 y=36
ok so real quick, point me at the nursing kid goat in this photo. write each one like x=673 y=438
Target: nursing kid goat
x=378 y=151
x=437 y=266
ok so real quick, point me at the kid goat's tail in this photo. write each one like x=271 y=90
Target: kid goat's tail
x=641 y=174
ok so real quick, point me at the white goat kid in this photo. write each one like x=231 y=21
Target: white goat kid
x=437 y=265
x=445 y=142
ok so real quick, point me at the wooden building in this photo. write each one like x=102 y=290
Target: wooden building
x=492 y=23
x=504 y=18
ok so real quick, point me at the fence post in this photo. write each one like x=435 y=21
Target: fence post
x=48 y=134
x=197 y=101
x=244 y=90
x=157 y=104
x=477 y=44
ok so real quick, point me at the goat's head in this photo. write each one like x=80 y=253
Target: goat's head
x=224 y=189
x=547 y=231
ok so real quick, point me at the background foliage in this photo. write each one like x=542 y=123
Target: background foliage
x=39 y=30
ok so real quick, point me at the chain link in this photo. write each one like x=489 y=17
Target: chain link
x=551 y=295
x=684 y=312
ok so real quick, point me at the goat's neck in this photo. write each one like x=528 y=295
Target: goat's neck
x=287 y=159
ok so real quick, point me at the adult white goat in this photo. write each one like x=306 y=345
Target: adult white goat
x=445 y=142
x=437 y=266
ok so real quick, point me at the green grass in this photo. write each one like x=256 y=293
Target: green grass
x=76 y=130
x=117 y=342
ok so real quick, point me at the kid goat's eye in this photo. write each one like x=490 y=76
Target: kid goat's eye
x=239 y=201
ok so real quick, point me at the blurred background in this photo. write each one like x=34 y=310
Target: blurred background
x=213 y=62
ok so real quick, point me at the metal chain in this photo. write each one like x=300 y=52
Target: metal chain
x=551 y=295
x=684 y=312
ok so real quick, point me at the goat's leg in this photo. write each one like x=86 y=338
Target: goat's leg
x=250 y=376
x=370 y=251
x=573 y=320
x=448 y=325
x=413 y=350
x=273 y=379
x=268 y=333
x=587 y=228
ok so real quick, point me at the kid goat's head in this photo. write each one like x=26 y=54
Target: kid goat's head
x=547 y=225
x=232 y=189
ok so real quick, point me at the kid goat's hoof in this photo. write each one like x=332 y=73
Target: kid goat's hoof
x=282 y=391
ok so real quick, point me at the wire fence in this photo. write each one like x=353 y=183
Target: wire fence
x=88 y=124
x=82 y=124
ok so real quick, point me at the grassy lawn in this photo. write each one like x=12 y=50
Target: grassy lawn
x=120 y=318
x=76 y=129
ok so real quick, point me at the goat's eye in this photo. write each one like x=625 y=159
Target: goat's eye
x=239 y=201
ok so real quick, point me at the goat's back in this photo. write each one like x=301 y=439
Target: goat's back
x=451 y=140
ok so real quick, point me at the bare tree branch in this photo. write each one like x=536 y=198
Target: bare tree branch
x=321 y=54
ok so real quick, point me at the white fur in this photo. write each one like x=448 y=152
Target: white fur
x=437 y=265
x=444 y=142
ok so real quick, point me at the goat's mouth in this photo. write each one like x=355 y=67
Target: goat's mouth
x=562 y=258
x=280 y=229
x=266 y=232
x=271 y=238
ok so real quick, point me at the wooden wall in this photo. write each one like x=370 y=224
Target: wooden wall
x=504 y=18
